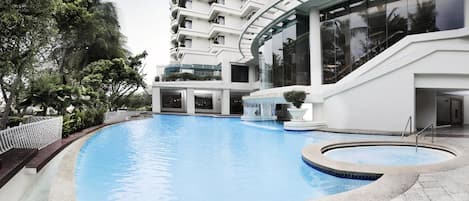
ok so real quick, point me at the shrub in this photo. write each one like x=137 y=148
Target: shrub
x=80 y=119
x=14 y=121
x=297 y=98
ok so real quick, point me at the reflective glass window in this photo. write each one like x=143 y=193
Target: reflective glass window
x=449 y=14
x=421 y=16
x=396 y=21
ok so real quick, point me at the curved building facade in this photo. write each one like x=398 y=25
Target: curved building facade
x=365 y=64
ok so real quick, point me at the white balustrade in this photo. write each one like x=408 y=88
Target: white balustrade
x=36 y=133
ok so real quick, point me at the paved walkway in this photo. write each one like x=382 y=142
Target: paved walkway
x=451 y=185
x=454 y=131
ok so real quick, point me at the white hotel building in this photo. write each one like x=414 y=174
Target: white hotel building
x=365 y=64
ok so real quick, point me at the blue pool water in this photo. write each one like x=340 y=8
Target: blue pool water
x=389 y=155
x=179 y=158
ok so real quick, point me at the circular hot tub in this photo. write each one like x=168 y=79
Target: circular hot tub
x=389 y=155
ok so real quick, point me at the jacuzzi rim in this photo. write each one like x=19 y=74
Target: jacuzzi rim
x=314 y=156
x=391 y=144
x=390 y=181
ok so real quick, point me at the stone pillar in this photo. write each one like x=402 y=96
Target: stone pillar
x=252 y=74
x=156 y=100
x=226 y=71
x=318 y=112
x=315 y=48
x=225 y=102
x=190 y=101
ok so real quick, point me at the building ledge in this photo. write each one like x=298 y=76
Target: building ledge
x=219 y=8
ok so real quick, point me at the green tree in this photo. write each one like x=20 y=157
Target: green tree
x=88 y=31
x=25 y=30
x=117 y=78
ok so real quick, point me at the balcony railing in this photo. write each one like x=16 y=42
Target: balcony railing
x=36 y=133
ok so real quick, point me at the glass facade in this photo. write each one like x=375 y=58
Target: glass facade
x=284 y=58
x=204 y=101
x=236 y=102
x=171 y=99
x=356 y=31
x=239 y=73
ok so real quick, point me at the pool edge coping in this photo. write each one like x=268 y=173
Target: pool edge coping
x=63 y=186
x=392 y=181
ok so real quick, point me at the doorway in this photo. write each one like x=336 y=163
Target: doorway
x=456 y=112
x=450 y=110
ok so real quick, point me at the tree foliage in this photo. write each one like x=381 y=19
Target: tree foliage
x=68 y=55
x=25 y=30
x=117 y=78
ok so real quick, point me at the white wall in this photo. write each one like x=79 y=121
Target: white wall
x=425 y=108
x=199 y=59
x=201 y=25
x=236 y=4
x=382 y=97
x=233 y=21
x=201 y=6
x=156 y=100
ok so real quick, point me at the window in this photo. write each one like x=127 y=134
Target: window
x=236 y=103
x=284 y=58
x=239 y=73
x=449 y=14
x=204 y=101
x=220 y=20
x=171 y=99
x=188 y=4
x=356 y=31
x=187 y=43
x=220 y=40
x=188 y=24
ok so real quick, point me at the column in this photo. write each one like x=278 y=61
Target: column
x=226 y=71
x=318 y=112
x=252 y=74
x=190 y=101
x=156 y=100
x=225 y=102
x=315 y=48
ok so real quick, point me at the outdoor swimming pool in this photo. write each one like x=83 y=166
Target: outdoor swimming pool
x=203 y=159
x=389 y=155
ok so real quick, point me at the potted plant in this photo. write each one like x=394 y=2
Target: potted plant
x=297 y=98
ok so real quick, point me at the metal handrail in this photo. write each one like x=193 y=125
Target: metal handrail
x=422 y=132
x=409 y=122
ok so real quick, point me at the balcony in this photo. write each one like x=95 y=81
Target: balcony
x=183 y=12
x=192 y=72
x=218 y=28
x=251 y=6
x=174 y=26
x=190 y=32
x=218 y=48
x=216 y=8
x=174 y=12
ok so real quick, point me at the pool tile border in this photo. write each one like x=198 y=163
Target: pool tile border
x=392 y=181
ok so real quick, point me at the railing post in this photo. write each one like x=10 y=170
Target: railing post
x=410 y=130
x=416 y=143
x=433 y=133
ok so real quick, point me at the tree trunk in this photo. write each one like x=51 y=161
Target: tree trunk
x=62 y=67
x=11 y=97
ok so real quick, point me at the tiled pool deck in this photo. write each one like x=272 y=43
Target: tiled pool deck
x=451 y=185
